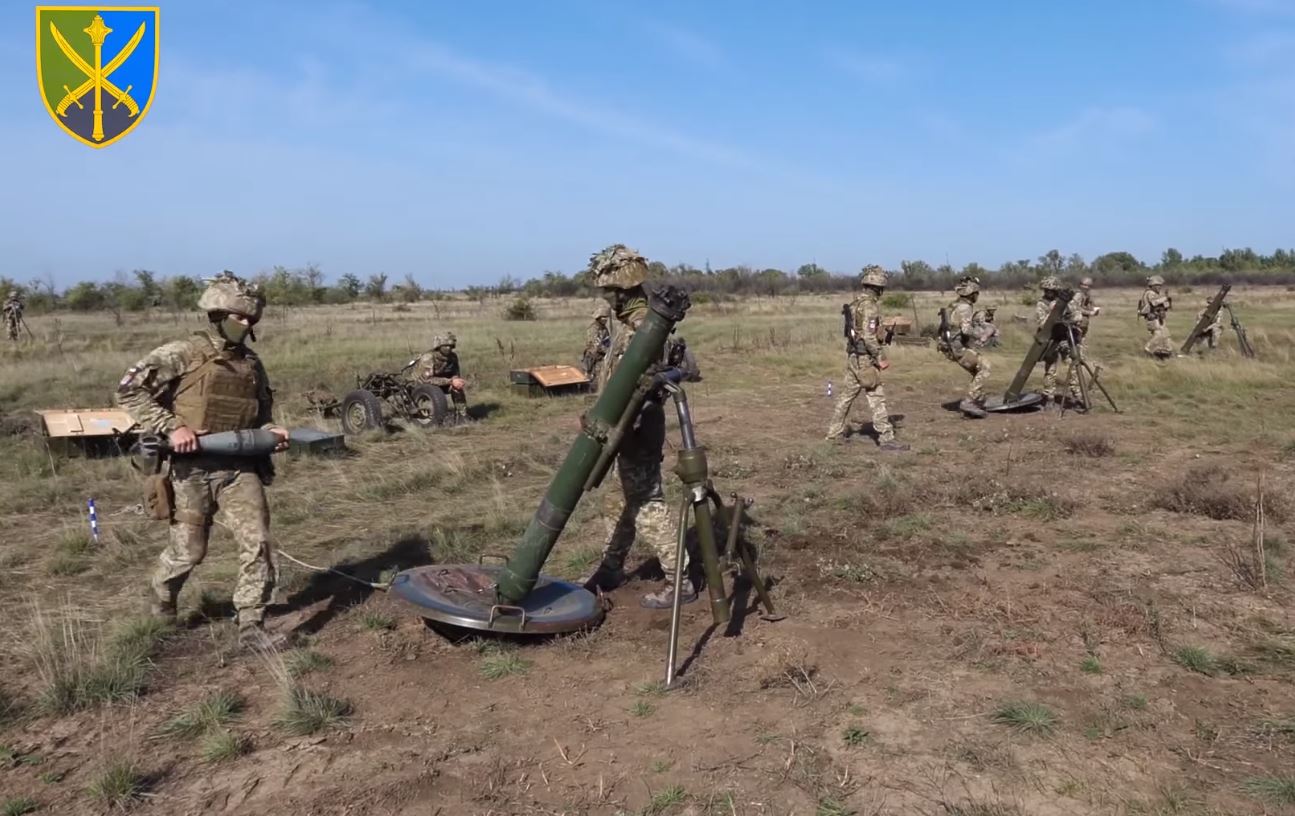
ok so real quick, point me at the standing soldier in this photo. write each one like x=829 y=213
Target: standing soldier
x=13 y=307
x=1085 y=309
x=1059 y=349
x=598 y=338
x=991 y=328
x=1153 y=306
x=440 y=367
x=966 y=336
x=1213 y=332
x=208 y=383
x=639 y=509
x=865 y=360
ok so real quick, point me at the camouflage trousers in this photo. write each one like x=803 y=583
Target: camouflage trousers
x=1159 y=344
x=638 y=509
x=861 y=377
x=11 y=327
x=1053 y=361
x=1212 y=336
x=975 y=364
x=238 y=496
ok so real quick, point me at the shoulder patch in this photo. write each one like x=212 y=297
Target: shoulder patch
x=128 y=379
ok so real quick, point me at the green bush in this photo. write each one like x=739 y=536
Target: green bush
x=520 y=309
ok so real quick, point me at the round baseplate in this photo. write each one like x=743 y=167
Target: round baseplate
x=463 y=595
x=1027 y=400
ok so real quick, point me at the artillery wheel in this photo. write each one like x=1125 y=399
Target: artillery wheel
x=361 y=410
x=430 y=407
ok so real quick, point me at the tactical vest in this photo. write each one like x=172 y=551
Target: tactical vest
x=219 y=391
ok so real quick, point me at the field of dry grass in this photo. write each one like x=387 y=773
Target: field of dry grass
x=1029 y=614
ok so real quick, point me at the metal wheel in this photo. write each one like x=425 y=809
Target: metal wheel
x=429 y=405
x=361 y=411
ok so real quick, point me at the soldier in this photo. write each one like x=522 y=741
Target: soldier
x=639 y=509
x=991 y=328
x=1085 y=308
x=440 y=367
x=1212 y=333
x=967 y=335
x=865 y=360
x=1153 y=306
x=13 y=307
x=212 y=382
x=598 y=338
x=1060 y=349
x=679 y=356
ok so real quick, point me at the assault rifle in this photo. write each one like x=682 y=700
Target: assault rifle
x=847 y=327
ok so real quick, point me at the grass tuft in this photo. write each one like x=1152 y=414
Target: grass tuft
x=854 y=736
x=78 y=667
x=831 y=807
x=1027 y=718
x=217 y=710
x=19 y=806
x=308 y=712
x=119 y=785
x=1090 y=444
x=504 y=664
x=665 y=799
x=1276 y=790
x=642 y=708
x=656 y=688
x=1091 y=665
x=304 y=661
x=1194 y=658
x=1211 y=491
x=221 y=746
x=376 y=621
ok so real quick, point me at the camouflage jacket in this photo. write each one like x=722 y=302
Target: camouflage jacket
x=437 y=367
x=622 y=332
x=598 y=339
x=1043 y=308
x=865 y=315
x=1154 y=304
x=1085 y=307
x=147 y=390
x=967 y=326
x=13 y=309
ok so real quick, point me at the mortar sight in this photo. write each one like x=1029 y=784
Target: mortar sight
x=515 y=597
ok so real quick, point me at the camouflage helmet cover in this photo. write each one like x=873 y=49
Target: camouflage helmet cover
x=969 y=285
x=873 y=275
x=229 y=293
x=13 y=294
x=617 y=267
x=447 y=339
x=1051 y=284
x=1086 y=282
x=603 y=311
x=1155 y=280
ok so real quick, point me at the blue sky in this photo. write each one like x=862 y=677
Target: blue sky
x=461 y=142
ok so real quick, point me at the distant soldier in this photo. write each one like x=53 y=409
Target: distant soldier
x=1153 y=306
x=1212 y=333
x=1085 y=308
x=1060 y=349
x=209 y=383
x=966 y=336
x=13 y=307
x=991 y=328
x=679 y=356
x=638 y=509
x=865 y=360
x=440 y=367
x=598 y=338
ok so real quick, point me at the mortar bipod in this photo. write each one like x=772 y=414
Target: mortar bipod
x=1083 y=369
x=693 y=470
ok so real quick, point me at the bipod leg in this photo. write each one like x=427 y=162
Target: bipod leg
x=32 y=337
x=676 y=604
x=743 y=549
x=709 y=556
x=1100 y=387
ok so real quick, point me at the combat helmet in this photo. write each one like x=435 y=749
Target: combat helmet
x=968 y=286
x=1085 y=283
x=1155 y=280
x=13 y=294
x=617 y=267
x=603 y=311
x=873 y=275
x=449 y=340
x=229 y=293
x=1051 y=284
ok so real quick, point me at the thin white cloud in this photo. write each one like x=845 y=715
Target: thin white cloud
x=688 y=45
x=873 y=69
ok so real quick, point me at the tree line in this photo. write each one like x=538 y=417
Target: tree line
x=143 y=289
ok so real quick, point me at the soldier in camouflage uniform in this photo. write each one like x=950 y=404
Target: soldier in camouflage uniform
x=1060 y=349
x=1153 y=306
x=598 y=338
x=639 y=508
x=1085 y=309
x=968 y=333
x=865 y=360
x=991 y=328
x=1212 y=333
x=208 y=383
x=440 y=367
x=13 y=307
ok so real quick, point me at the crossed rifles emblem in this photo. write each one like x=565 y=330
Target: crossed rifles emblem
x=97 y=74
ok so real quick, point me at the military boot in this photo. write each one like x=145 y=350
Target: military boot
x=971 y=409
x=665 y=598
x=604 y=579
x=253 y=635
x=163 y=611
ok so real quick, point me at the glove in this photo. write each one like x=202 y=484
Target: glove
x=671 y=375
x=458 y=383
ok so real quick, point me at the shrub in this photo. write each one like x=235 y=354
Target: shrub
x=520 y=309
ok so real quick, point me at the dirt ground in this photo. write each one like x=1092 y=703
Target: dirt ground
x=1029 y=614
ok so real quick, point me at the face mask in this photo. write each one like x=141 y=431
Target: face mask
x=233 y=331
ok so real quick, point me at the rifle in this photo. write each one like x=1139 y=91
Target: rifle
x=1207 y=318
x=848 y=329
x=1242 y=340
